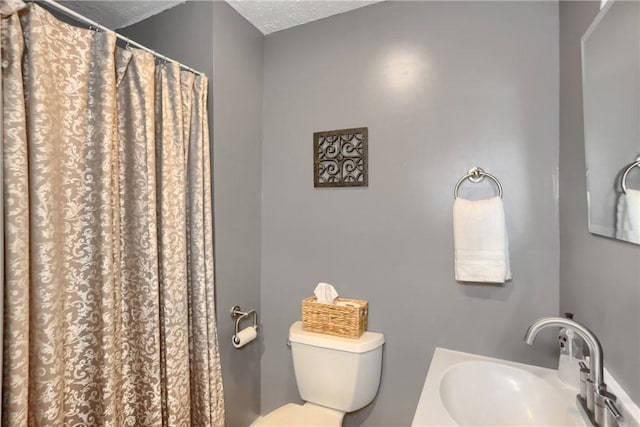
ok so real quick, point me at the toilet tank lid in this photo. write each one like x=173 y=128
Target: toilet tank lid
x=367 y=342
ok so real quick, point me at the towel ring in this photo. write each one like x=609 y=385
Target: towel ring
x=477 y=174
x=623 y=180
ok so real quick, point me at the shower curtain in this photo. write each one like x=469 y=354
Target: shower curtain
x=108 y=295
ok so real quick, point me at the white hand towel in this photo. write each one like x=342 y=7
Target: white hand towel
x=481 y=241
x=628 y=216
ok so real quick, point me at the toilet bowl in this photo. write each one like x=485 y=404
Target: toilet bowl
x=334 y=375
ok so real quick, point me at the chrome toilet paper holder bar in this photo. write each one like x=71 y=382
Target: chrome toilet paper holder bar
x=239 y=315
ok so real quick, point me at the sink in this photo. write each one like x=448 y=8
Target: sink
x=480 y=393
x=464 y=389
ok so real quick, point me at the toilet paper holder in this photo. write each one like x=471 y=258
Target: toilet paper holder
x=239 y=315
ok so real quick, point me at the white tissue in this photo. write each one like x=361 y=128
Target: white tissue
x=244 y=337
x=325 y=293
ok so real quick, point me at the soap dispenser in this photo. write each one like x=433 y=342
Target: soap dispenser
x=571 y=354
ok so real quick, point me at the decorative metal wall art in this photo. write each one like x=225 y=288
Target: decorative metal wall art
x=340 y=158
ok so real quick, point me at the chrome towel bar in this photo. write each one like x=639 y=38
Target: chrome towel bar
x=475 y=175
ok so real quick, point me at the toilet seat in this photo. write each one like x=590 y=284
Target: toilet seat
x=301 y=415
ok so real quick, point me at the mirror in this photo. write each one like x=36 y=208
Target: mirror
x=611 y=102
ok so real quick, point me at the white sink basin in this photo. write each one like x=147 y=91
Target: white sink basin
x=465 y=389
x=480 y=393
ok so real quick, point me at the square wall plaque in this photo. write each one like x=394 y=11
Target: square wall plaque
x=340 y=158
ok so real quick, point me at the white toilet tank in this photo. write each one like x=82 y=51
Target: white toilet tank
x=338 y=373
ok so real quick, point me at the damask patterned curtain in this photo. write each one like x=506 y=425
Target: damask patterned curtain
x=109 y=302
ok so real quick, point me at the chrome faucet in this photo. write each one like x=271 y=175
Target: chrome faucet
x=597 y=405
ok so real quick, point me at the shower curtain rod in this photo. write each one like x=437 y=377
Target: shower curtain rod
x=94 y=24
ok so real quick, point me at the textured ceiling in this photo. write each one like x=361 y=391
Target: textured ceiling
x=119 y=14
x=267 y=15
x=270 y=16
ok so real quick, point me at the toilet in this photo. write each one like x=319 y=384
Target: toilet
x=335 y=376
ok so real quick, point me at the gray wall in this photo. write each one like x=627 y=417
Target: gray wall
x=186 y=33
x=599 y=277
x=237 y=111
x=442 y=86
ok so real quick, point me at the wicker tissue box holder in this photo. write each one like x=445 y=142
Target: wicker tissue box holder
x=347 y=318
